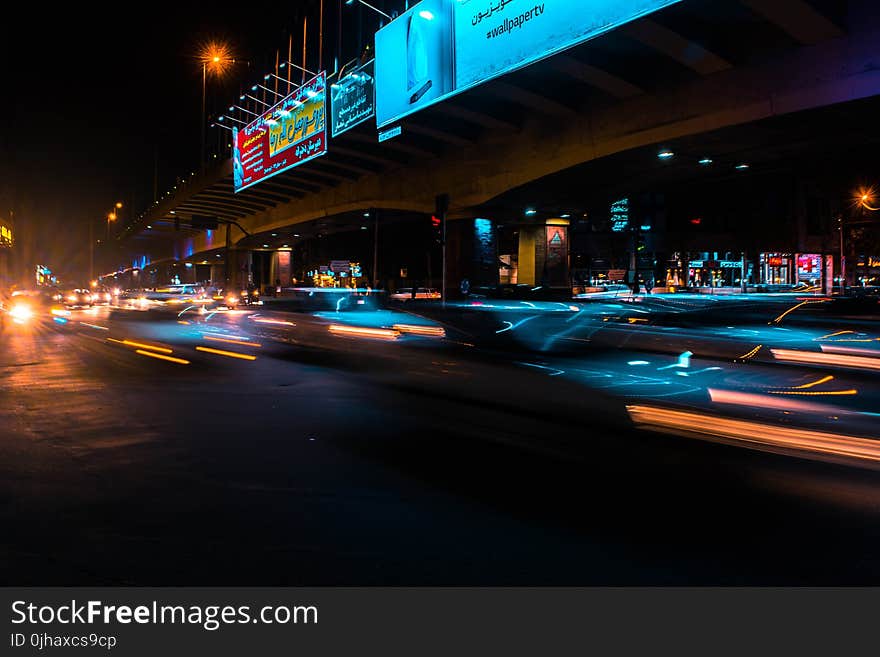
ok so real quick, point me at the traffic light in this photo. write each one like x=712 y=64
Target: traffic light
x=438 y=219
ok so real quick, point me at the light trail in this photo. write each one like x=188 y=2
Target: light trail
x=824 y=379
x=364 y=332
x=793 y=308
x=822 y=358
x=758 y=435
x=432 y=331
x=764 y=401
x=751 y=353
x=278 y=322
x=511 y=326
x=179 y=361
x=856 y=351
x=229 y=354
x=243 y=343
x=141 y=345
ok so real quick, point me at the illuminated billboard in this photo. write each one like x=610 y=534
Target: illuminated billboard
x=352 y=98
x=286 y=135
x=443 y=47
x=5 y=236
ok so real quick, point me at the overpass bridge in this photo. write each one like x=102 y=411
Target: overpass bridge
x=697 y=72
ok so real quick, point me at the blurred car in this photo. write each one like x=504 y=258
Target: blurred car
x=25 y=307
x=77 y=298
x=243 y=298
x=102 y=296
x=421 y=293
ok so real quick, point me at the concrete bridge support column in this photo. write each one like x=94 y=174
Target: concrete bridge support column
x=472 y=252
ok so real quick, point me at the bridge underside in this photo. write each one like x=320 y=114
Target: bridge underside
x=734 y=80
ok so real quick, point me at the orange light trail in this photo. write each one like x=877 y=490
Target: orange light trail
x=279 y=322
x=856 y=351
x=757 y=435
x=229 y=341
x=230 y=354
x=793 y=308
x=822 y=358
x=834 y=335
x=434 y=331
x=815 y=393
x=179 y=361
x=141 y=345
x=364 y=332
x=824 y=379
x=760 y=400
x=748 y=355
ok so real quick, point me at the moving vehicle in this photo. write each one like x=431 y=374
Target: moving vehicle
x=244 y=298
x=77 y=298
x=102 y=296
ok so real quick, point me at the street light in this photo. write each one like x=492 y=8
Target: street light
x=216 y=59
x=111 y=216
x=866 y=199
x=366 y=4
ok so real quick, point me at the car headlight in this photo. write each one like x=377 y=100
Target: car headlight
x=21 y=313
x=232 y=300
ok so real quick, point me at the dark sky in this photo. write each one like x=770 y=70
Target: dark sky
x=91 y=95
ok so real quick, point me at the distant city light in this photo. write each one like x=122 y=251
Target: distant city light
x=706 y=161
x=665 y=155
x=531 y=212
x=742 y=167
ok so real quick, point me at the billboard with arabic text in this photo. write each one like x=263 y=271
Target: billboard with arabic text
x=284 y=136
x=439 y=48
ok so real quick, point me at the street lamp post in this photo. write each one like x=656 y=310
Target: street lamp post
x=842 y=257
x=215 y=58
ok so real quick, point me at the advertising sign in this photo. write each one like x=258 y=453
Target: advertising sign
x=443 y=47
x=286 y=135
x=809 y=266
x=557 y=255
x=352 y=98
x=620 y=215
x=5 y=236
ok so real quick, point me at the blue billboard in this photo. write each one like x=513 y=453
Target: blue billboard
x=353 y=98
x=442 y=47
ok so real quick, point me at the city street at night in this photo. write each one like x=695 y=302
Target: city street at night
x=466 y=326
x=130 y=456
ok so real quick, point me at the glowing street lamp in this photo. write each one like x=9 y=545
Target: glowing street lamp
x=216 y=58
x=867 y=198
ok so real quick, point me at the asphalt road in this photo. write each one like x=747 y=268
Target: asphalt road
x=366 y=462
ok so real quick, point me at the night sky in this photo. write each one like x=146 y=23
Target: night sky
x=91 y=97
